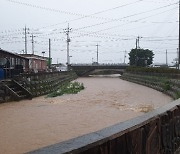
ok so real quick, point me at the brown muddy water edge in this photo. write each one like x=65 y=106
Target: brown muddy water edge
x=31 y=124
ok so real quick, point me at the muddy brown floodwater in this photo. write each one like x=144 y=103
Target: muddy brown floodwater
x=31 y=124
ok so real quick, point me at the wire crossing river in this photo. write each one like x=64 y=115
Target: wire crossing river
x=32 y=124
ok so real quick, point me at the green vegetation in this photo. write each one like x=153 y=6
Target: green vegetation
x=166 y=85
x=177 y=94
x=68 y=88
x=162 y=83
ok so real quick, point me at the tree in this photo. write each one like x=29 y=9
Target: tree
x=141 y=57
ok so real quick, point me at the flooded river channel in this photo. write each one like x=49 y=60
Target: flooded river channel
x=31 y=124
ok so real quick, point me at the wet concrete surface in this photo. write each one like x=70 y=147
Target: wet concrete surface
x=31 y=124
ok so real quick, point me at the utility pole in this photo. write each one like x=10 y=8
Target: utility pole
x=32 y=43
x=57 y=61
x=177 y=61
x=138 y=38
x=138 y=42
x=166 y=58
x=179 y=39
x=49 y=64
x=67 y=31
x=124 y=56
x=25 y=37
x=97 y=53
x=136 y=52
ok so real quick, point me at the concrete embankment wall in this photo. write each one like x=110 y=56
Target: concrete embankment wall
x=38 y=83
x=47 y=82
x=157 y=132
x=163 y=83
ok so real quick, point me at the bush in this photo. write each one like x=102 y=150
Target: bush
x=166 y=86
x=177 y=94
x=68 y=88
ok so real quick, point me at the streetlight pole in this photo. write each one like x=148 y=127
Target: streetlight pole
x=43 y=52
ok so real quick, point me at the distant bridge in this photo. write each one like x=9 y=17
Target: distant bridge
x=86 y=69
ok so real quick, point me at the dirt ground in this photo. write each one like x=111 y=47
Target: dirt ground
x=31 y=124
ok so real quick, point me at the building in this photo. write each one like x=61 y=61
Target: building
x=13 y=61
x=12 y=64
x=36 y=63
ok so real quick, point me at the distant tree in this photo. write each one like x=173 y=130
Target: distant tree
x=141 y=57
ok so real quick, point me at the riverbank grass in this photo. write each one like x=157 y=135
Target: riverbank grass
x=68 y=88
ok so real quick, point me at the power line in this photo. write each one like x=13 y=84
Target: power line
x=127 y=23
x=11 y=31
x=90 y=15
x=113 y=20
x=123 y=17
x=82 y=15
x=98 y=36
x=72 y=13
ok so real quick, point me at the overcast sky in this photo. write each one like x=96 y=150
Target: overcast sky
x=113 y=24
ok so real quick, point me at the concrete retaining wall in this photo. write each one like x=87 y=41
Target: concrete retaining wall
x=38 y=83
x=166 y=85
x=46 y=83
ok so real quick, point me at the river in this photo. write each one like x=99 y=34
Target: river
x=31 y=124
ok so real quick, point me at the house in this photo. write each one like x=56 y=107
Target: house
x=12 y=60
x=36 y=63
x=12 y=64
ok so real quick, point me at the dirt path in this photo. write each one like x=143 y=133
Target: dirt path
x=32 y=124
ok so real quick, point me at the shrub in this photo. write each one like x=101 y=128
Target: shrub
x=68 y=88
x=178 y=94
